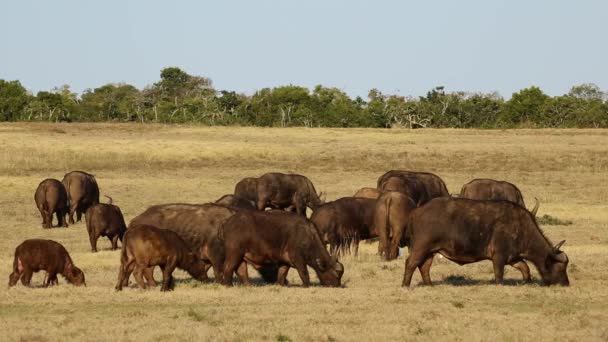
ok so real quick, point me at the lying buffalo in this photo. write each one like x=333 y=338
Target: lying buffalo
x=146 y=246
x=235 y=201
x=51 y=198
x=277 y=238
x=197 y=225
x=467 y=231
x=489 y=189
x=247 y=188
x=367 y=193
x=82 y=191
x=345 y=222
x=105 y=219
x=412 y=187
x=44 y=255
x=390 y=221
x=283 y=191
x=435 y=186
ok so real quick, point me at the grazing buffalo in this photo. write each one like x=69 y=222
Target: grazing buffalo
x=147 y=246
x=435 y=186
x=247 y=188
x=345 y=222
x=489 y=189
x=390 y=221
x=44 y=255
x=105 y=220
x=367 y=193
x=283 y=191
x=412 y=187
x=277 y=238
x=235 y=201
x=197 y=225
x=82 y=191
x=51 y=198
x=467 y=231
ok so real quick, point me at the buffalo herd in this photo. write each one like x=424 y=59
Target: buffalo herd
x=264 y=224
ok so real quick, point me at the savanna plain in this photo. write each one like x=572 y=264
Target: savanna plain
x=141 y=165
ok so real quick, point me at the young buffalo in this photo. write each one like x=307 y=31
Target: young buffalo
x=105 y=220
x=146 y=246
x=51 y=198
x=44 y=255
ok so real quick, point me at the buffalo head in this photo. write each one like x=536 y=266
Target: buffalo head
x=556 y=265
x=330 y=275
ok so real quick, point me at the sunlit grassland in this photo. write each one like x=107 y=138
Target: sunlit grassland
x=141 y=165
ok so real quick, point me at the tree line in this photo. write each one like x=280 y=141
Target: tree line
x=179 y=97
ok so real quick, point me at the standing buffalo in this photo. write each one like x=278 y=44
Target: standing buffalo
x=51 y=198
x=82 y=191
x=412 y=187
x=44 y=255
x=247 y=188
x=489 y=189
x=105 y=220
x=467 y=231
x=147 y=246
x=345 y=222
x=390 y=221
x=435 y=186
x=235 y=201
x=277 y=238
x=282 y=191
x=367 y=193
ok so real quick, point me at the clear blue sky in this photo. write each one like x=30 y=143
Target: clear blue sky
x=404 y=47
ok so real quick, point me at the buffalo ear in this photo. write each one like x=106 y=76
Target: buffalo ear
x=559 y=244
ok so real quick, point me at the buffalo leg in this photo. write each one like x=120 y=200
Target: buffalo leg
x=114 y=241
x=78 y=214
x=93 y=239
x=149 y=275
x=26 y=278
x=72 y=210
x=168 y=275
x=499 y=268
x=524 y=269
x=230 y=264
x=124 y=272
x=282 y=276
x=243 y=273
x=413 y=261
x=61 y=218
x=425 y=270
x=302 y=271
x=49 y=219
x=13 y=278
x=137 y=274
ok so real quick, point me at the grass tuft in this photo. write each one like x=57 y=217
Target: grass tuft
x=548 y=220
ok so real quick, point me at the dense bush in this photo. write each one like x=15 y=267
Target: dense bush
x=182 y=98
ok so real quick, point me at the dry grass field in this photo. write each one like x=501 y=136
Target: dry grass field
x=141 y=165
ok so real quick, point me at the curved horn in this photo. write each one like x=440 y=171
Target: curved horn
x=535 y=209
x=561 y=257
x=321 y=196
x=109 y=199
x=559 y=244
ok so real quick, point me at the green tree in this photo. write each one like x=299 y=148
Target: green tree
x=525 y=106
x=13 y=100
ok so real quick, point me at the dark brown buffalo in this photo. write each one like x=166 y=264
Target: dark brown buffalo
x=82 y=191
x=105 y=220
x=197 y=224
x=277 y=238
x=435 y=186
x=44 y=255
x=345 y=222
x=412 y=187
x=390 y=222
x=367 y=193
x=51 y=198
x=283 y=191
x=146 y=246
x=247 y=188
x=467 y=231
x=489 y=189
x=235 y=201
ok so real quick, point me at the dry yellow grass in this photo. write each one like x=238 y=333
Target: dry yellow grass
x=143 y=165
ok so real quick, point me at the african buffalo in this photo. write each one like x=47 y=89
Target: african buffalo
x=51 y=198
x=282 y=191
x=435 y=186
x=345 y=222
x=146 y=246
x=466 y=231
x=44 y=255
x=367 y=193
x=412 y=187
x=390 y=221
x=82 y=191
x=247 y=188
x=105 y=219
x=277 y=238
x=235 y=201
x=489 y=189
